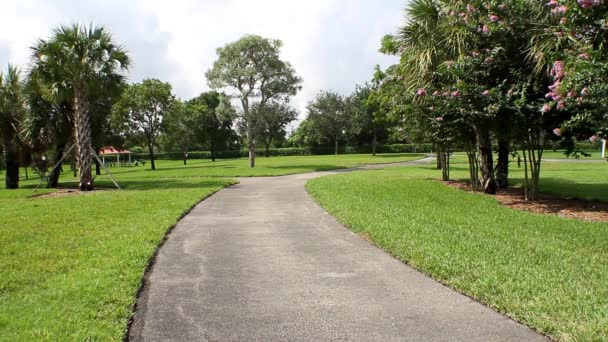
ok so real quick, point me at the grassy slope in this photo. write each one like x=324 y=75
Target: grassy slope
x=548 y=272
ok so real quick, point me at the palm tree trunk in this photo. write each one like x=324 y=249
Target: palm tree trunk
x=487 y=163
x=11 y=159
x=83 y=138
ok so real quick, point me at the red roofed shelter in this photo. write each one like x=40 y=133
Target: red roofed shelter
x=110 y=151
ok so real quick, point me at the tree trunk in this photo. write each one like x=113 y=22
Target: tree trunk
x=374 y=138
x=445 y=163
x=151 y=154
x=438 y=153
x=251 y=155
x=83 y=138
x=473 y=169
x=484 y=145
x=212 y=152
x=267 y=150
x=502 y=164
x=53 y=178
x=185 y=156
x=336 y=146
x=533 y=153
x=11 y=159
x=97 y=166
x=251 y=147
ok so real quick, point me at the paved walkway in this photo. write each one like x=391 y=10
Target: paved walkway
x=261 y=261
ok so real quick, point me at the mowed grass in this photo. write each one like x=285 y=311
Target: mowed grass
x=70 y=267
x=271 y=166
x=580 y=179
x=547 y=272
x=593 y=155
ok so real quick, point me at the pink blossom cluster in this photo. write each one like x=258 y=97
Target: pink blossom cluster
x=559 y=9
x=588 y=3
x=421 y=92
x=558 y=73
x=557 y=132
x=558 y=70
x=493 y=18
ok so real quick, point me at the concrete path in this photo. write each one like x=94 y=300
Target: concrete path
x=261 y=261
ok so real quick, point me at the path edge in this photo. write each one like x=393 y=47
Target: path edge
x=141 y=292
x=408 y=264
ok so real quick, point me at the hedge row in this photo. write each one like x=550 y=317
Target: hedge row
x=291 y=151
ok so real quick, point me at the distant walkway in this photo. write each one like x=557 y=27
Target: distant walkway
x=261 y=261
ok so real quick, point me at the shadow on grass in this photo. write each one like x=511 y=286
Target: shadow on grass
x=312 y=168
x=165 y=184
x=567 y=188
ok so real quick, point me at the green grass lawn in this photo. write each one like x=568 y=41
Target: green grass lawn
x=594 y=155
x=70 y=267
x=272 y=166
x=548 y=272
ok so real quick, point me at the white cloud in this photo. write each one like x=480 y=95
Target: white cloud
x=331 y=43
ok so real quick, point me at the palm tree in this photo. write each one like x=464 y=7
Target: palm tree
x=48 y=125
x=11 y=113
x=71 y=64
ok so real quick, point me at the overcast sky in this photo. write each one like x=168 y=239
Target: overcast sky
x=332 y=44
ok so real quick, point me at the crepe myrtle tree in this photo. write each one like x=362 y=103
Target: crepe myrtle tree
x=570 y=48
x=140 y=111
x=251 y=71
x=73 y=61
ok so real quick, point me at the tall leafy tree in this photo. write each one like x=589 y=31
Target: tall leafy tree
x=213 y=126
x=179 y=126
x=368 y=124
x=141 y=109
x=328 y=113
x=12 y=109
x=70 y=64
x=252 y=71
x=273 y=120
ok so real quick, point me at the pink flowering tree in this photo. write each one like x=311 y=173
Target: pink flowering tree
x=571 y=48
x=496 y=37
